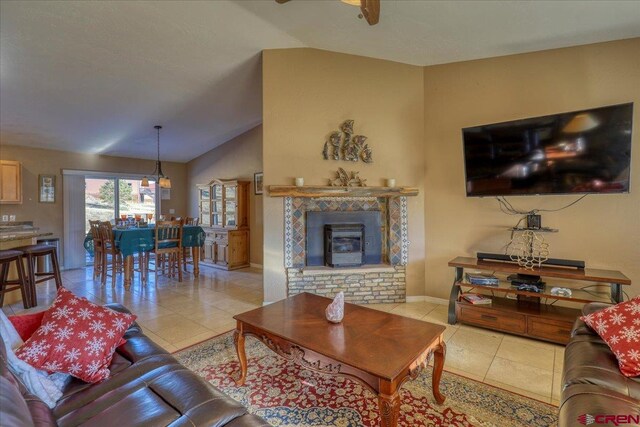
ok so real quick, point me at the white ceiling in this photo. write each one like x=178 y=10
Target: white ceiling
x=96 y=76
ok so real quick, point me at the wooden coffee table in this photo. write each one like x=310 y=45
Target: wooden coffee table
x=378 y=349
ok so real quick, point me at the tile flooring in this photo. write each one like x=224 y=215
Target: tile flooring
x=177 y=315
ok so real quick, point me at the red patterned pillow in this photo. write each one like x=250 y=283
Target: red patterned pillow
x=27 y=324
x=76 y=337
x=619 y=327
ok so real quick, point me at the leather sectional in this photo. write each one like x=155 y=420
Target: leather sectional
x=147 y=387
x=592 y=382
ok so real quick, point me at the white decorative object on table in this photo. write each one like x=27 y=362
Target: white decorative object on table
x=335 y=310
x=391 y=182
x=299 y=182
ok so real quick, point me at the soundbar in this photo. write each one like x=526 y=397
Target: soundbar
x=484 y=256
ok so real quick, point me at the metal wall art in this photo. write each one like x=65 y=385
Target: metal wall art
x=343 y=145
x=343 y=179
x=529 y=250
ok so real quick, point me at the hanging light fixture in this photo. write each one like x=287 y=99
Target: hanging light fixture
x=162 y=180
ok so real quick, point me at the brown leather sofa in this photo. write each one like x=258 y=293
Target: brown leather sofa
x=592 y=382
x=147 y=387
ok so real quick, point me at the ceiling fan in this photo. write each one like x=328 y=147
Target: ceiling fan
x=370 y=9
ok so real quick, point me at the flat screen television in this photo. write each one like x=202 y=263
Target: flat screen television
x=586 y=151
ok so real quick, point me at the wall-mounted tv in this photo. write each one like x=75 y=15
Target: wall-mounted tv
x=586 y=151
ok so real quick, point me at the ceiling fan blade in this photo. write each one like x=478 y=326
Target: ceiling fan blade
x=370 y=10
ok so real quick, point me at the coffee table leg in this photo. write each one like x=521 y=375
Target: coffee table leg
x=238 y=339
x=389 y=409
x=438 y=364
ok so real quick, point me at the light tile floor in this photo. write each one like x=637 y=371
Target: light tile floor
x=176 y=315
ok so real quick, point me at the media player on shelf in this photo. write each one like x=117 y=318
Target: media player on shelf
x=529 y=288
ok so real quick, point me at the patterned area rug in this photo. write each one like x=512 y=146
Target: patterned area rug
x=286 y=395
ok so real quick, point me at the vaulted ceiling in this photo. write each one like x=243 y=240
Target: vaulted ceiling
x=96 y=76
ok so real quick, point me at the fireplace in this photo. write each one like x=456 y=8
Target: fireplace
x=344 y=245
x=376 y=274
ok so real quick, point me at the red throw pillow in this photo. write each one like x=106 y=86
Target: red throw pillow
x=76 y=337
x=619 y=327
x=27 y=324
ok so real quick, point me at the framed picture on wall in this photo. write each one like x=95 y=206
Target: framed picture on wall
x=257 y=183
x=47 y=188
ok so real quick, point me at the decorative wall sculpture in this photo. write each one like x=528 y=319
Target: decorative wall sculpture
x=343 y=145
x=529 y=249
x=343 y=179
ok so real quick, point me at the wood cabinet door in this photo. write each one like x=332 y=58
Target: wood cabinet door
x=10 y=182
x=207 y=251
x=223 y=255
x=238 y=248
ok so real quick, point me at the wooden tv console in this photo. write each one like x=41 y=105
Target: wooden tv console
x=526 y=315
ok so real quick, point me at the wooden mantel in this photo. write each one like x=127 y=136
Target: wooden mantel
x=328 y=191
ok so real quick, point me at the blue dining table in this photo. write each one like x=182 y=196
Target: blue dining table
x=135 y=240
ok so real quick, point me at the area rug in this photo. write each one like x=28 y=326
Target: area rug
x=287 y=395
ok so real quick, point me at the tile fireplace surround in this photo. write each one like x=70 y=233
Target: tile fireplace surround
x=383 y=283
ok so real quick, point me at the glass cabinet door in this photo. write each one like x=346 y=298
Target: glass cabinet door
x=217 y=191
x=230 y=192
x=216 y=219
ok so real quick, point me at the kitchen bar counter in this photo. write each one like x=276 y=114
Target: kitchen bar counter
x=13 y=235
x=9 y=237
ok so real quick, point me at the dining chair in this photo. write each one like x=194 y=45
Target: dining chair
x=167 y=249
x=98 y=249
x=186 y=255
x=109 y=250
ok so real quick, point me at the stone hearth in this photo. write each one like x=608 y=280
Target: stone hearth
x=382 y=283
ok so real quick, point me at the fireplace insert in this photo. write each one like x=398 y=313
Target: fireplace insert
x=343 y=245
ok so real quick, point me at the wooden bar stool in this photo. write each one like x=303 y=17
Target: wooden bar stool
x=6 y=285
x=32 y=253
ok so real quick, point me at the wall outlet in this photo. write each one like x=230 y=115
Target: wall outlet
x=5 y=218
x=172 y=211
x=12 y=218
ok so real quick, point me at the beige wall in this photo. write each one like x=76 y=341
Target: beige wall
x=307 y=93
x=48 y=216
x=603 y=230
x=238 y=158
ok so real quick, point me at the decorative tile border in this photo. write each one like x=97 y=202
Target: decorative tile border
x=395 y=236
x=404 y=223
x=295 y=220
x=288 y=232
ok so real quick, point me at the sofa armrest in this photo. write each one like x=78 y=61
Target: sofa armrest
x=592 y=307
x=581 y=328
x=118 y=307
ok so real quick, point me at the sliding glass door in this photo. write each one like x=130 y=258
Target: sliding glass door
x=134 y=199
x=99 y=200
x=108 y=198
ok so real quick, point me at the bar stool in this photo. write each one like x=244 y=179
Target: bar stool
x=6 y=258
x=32 y=253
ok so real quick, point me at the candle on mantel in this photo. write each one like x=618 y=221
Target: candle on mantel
x=391 y=182
x=299 y=182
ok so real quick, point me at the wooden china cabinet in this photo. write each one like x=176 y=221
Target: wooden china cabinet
x=224 y=216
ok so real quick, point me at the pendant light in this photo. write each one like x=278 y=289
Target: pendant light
x=162 y=180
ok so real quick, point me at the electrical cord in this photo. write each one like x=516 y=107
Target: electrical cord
x=507 y=208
